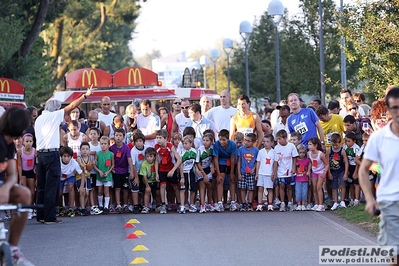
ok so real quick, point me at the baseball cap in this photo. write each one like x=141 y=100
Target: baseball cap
x=283 y=107
x=266 y=98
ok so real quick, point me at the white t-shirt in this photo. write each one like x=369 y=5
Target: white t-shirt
x=343 y=112
x=138 y=156
x=277 y=127
x=274 y=117
x=47 y=129
x=266 y=159
x=96 y=149
x=182 y=122
x=148 y=125
x=107 y=119
x=284 y=157
x=381 y=148
x=221 y=116
x=68 y=170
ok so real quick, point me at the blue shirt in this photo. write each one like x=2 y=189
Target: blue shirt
x=224 y=153
x=303 y=123
x=248 y=158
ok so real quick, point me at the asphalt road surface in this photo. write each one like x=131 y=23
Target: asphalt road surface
x=239 y=238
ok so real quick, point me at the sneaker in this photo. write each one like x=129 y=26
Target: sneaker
x=119 y=209
x=34 y=213
x=71 y=213
x=125 y=208
x=186 y=207
x=182 y=210
x=342 y=204
x=250 y=208
x=131 y=208
x=145 y=210
x=136 y=209
x=335 y=206
x=233 y=206
x=270 y=208
x=259 y=208
x=96 y=211
x=350 y=203
x=219 y=207
x=112 y=209
x=355 y=202
x=56 y=221
x=320 y=208
x=82 y=212
x=30 y=215
x=18 y=259
x=163 y=209
x=240 y=207
x=282 y=207
x=314 y=207
x=192 y=208
x=243 y=207
x=291 y=207
x=308 y=207
x=303 y=208
x=202 y=209
x=105 y=211
x=209 y=208
x=61 y=212
x=299 y=208
x=158 y=209
x=277 y=201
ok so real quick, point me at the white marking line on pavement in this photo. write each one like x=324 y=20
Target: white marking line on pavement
x=343 y=229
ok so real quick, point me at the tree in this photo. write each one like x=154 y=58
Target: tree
x=371 y=30
x=146 y=60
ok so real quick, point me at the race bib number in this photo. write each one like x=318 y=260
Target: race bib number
x=301 y=128
x=228 y=162
x=245 y=131
x=336 y=156
x=328 y=137
x=314 y=163
x=75 y=155
x=30 y=162
x=141 y=157
x=118 y=154
x=108 y=163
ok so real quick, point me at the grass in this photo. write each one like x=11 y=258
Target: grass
x=358 y=216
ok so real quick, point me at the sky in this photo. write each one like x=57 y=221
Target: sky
x=175 y=26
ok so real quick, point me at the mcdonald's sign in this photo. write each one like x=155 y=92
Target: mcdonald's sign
x=4 y=84
x=89 y=74
x=134 y=72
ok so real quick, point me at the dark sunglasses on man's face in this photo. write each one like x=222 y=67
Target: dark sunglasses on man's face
x=177 y=103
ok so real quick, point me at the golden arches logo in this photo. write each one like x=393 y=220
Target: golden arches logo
x=88 y=75
x=134 y=72
x=3 y=84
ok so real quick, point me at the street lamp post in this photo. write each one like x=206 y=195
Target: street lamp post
x=214 y=58
x=204 y=61
x=228 y=47
x=245 y=32
x=343 y=58
x=322 y=65
x=276 y=11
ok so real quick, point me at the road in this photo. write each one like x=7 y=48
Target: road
x=239 y=238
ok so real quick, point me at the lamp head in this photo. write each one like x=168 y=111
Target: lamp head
x=245 y=30
x=227 y=45
x=214 y=55
x=276 y=11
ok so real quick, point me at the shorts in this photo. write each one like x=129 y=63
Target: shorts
x=208 y=173
x=173 y=181
x=389 y=226
x=247 y=181
x=226 y=183
x=265 y=181
x=121 y=180
x=28 y=174
x=132 y=187
x=190 y=182
x=316 y=175
x=337 y=181
x=284 y=180
x=224 y=169
x=93 y=178
x=66 y=181
x=301 y=191
x=154 y=187
x=351 y=180
x=87 y=185
x=105 y=184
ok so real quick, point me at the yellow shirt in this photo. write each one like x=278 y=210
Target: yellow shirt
x=245 y=125
x=335 y=125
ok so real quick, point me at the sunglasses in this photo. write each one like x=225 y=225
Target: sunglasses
x=185 y=107
x=177 y=103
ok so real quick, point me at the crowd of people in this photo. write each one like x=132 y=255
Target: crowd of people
x=199 y=158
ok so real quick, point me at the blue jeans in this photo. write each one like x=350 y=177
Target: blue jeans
x=301 y=191
x=48 y=171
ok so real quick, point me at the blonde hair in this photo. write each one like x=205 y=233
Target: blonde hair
x=105 y=138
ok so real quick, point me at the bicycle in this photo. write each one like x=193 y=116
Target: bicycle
x=5 y=251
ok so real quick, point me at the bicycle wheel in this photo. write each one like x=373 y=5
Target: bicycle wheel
x=5 y=255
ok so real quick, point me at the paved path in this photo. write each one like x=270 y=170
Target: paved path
x=290 y=238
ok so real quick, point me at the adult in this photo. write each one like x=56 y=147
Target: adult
x=330 y=123
x=199 y=122
x=246 y=121
x=74 y=115
x=315 y=103
x=148 y=123
x=352 y=125
x=182 y=119
x=333 y=107
x=222 y=114
x=303 y=121
x=380 y=149
x=275 y=116
x=360 y=99
x=13 y=123
x=31 y=129
x=267 y=102
x=48 y=168
x=205 y=104
x=353 y=109
x=346 y=94
x=282 y=122
x=93 y=121
x=106 y=115
x=168 y=119
x=379 y=114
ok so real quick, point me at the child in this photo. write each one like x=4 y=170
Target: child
x=187 y=176
x=122 y=172
x=105 y=165
x=351 y=149
x=68 y=169
x=238 y=139
x=303 y=168
x=83 y=182
x=74 y=138
x=166 y=170
x=284 y=167
x=246 y=170
x=206 y=169
x=94 y=134
x=338 y=174
x=150 y=180
x=320 y=168
x=296 y=138
x=264 y=172
x=26 y=165
x=176 y=140
x=223 y=158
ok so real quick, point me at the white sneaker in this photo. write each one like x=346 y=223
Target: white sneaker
x=308 y=207
x=291 y=206
x=303 y=208
x=233 y=206
x=335 y=206
x=282 y=207
x=320 y=208
x=202 y=209
x=219 y=207
x=30 y=215
x=192 y=208
x=270 y=208
x=314 y=207
x=355 y=202
x=259 y=208
x=299 y=208
x=342 y=204
x=350 y=203
x=277 y=201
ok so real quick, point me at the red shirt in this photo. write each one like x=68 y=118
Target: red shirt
x=165 y=157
